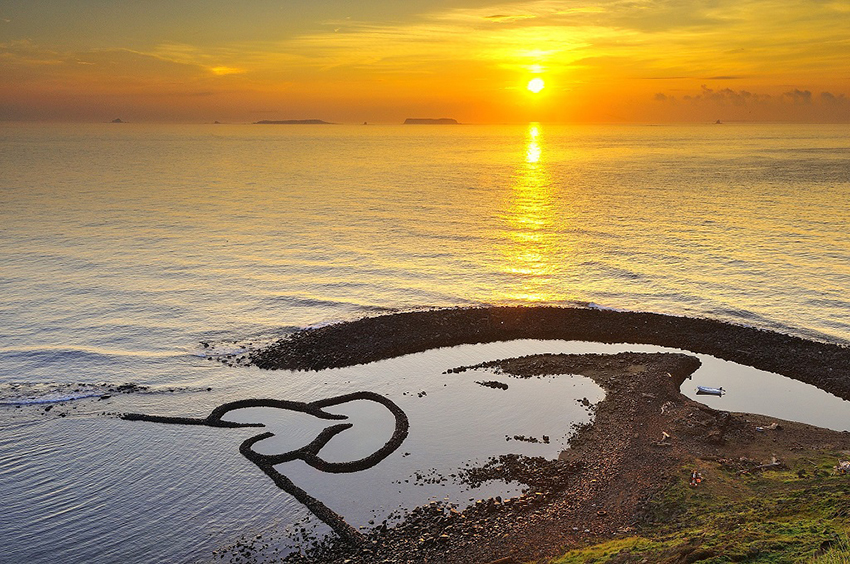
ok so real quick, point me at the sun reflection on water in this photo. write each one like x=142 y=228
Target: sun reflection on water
x=532 y=149
x=529 y=226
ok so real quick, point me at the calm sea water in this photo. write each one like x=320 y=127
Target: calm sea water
x=123 y=247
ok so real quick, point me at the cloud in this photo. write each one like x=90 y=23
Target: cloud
x=794 y=105
x=799 y=96
x=600 y=54
x=831 y=99
x=509 y=18
x=122 y=69
x=223 y=70
x=728 y=96
x=645 y=38
x=24 y=52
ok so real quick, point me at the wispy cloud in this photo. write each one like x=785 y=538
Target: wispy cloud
x=509 y=18
x=223 y=70
x=721 y=40
x=25 y=53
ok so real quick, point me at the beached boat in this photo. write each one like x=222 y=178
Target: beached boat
x=707 y=391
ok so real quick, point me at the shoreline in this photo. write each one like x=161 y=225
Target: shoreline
x=824 y=365
x=644 y=432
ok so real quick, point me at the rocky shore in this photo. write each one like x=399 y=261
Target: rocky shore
x=644 y=431
x=824 y=365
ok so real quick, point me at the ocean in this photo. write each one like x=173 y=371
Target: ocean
x=140 y=253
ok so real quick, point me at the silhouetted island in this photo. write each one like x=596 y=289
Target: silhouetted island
x=293 y=122
x=430 y=121
x=118 y=120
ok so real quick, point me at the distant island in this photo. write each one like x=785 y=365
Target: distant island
x=118 y=120
x=430 y=121
x=293 y=122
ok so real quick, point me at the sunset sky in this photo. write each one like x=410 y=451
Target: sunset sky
x=380 y=61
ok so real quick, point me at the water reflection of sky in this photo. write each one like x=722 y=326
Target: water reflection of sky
x=530 y=227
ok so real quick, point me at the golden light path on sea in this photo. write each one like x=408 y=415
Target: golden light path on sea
x=529 y=231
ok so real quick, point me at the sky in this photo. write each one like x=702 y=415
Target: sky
x=641 y=61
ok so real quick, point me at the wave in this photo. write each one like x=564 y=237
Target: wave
x=50 y=398
x=593 y=305
x=21 y=394
x=308 y=302
x=65 y=354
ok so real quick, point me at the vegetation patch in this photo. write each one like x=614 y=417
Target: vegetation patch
x=796 y=511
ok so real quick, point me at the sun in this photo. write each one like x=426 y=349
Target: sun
x=536 y=85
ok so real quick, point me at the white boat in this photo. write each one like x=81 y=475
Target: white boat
x=707 y=391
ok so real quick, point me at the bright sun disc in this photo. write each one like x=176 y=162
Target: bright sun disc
x=536 y=85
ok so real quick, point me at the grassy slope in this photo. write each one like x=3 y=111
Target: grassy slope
x=798 y=513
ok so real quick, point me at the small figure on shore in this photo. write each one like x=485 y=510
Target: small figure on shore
x=696 y=478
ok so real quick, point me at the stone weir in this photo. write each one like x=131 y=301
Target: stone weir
x=824 y=365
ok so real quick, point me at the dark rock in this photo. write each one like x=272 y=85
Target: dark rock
x=493 y=384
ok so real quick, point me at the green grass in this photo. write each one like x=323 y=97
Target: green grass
x=799 y=514
x=839 y=553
